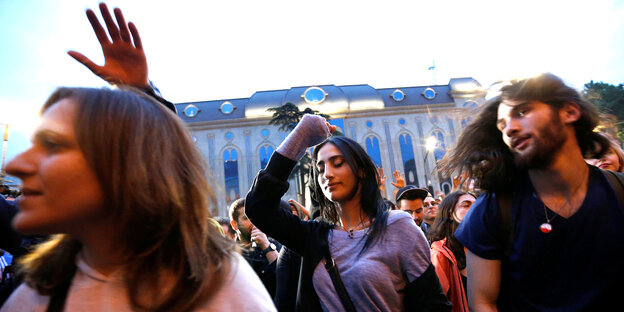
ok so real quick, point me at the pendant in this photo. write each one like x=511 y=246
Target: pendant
x=350 y=233
x=546 y=228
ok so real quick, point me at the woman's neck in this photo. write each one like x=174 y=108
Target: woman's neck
x=104 y=260
x=351 y=213
x=101 y=251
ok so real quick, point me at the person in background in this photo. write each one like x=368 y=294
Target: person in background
x=288 y=267
x=447 y=253
x=299 y=210
x=613 y=159
x=260 y=251
x=227 y=227
x=430 y=206
x=411 y=200
x=439 y=196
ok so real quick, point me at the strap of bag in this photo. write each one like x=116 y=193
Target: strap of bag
x=616 y=180
x=58 y=297
x=332 y=269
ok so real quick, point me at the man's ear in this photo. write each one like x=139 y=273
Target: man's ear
x=570 y=113
x=234 y=225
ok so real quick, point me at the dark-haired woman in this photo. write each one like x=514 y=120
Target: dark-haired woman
x=447 y=253
x=382 y=257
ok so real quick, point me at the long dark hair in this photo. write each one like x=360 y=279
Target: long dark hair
x=480 y=151
x=364 y=170
x=445 y=225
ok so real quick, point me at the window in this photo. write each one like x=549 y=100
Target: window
x=229 y=136
x=470 y=104
x=339 y=123
x=191 y=111
x=372 y=148
x=407 y=155
x=265 y=133
x=314 y=95
x=440 y=149
x=402 y=122
x=398 y=95
x=465 y=122
x=429 y=94
x=265 y=153
x=369 y=123
x=227 y=107
x=230 y=168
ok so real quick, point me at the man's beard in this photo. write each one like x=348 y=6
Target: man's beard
x=245 y=236
x=542 y=154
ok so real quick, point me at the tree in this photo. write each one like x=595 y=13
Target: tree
x=610 y=100
x=287 y=117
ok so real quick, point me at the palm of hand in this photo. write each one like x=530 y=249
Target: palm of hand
x=399 y=180
x=116 y=70
x=124 y=58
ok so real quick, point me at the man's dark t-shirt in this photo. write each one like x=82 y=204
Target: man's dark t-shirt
x=576 y=267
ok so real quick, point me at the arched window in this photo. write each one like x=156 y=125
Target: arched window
x=265 y=153
x=440 y=149
x=407 y=155
x=230 y=167
x=464 y=122
x=372 y=148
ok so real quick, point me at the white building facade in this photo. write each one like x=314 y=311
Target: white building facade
x=392 y=124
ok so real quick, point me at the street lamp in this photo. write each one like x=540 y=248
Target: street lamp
x=430 y=145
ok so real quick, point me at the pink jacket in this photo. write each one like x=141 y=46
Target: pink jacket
x=448 y=273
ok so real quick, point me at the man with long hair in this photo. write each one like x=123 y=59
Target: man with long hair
x=548 y=234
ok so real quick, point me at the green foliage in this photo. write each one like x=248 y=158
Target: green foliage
x=609 y=99
x=287 y=117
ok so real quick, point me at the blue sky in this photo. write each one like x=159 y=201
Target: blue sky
x=208 y=50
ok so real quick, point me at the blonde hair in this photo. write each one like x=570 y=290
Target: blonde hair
x=617 y=150
x=154 y=182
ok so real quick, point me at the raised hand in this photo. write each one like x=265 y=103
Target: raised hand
x=301 y=208
x=382 y=177
x=310 y=131
x=259 y=238
x=399 y=179
x=381 y=181
x=459 y=182
x=124 y=58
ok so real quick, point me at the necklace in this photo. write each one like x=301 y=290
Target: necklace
x=546 y=227
x=357 y=227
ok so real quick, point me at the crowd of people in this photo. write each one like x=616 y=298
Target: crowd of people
x=114 y=211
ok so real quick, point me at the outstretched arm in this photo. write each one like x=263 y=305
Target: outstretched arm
x=262 y=201
x=124 y=58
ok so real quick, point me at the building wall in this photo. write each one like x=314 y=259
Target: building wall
x=389 y=125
